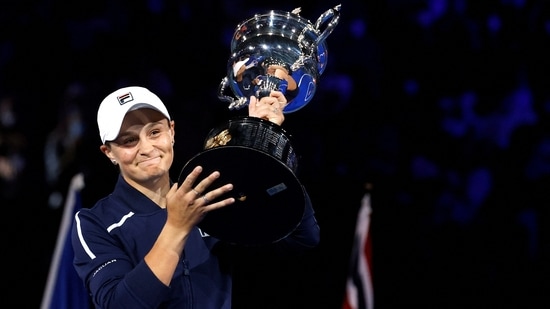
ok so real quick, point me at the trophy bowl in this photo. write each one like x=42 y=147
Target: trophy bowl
x=281 y=51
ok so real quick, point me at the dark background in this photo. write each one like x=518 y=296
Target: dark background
x=442 y=106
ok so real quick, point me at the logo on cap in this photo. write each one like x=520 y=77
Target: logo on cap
x=125 y=98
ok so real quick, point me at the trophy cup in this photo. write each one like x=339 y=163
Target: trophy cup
x=273 y=51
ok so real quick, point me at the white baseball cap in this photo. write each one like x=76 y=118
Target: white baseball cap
x=114 y=107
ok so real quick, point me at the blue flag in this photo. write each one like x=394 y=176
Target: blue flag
x=64 y=289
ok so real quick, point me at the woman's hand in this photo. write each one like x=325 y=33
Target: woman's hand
x=269 y=107
x=188 y=203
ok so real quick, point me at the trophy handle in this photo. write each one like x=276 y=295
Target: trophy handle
x=234 y=103
x=334 y=16
x=331 y=17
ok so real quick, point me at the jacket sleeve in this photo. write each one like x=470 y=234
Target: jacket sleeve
x=111 y=277
x=307 y=234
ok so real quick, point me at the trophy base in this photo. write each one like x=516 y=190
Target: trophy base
x=270 y=200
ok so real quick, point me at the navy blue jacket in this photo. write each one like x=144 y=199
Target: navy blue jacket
x=111 y=239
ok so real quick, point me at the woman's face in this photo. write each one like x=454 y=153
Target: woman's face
x=144 y=147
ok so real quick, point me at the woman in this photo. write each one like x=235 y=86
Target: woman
x=140 y=246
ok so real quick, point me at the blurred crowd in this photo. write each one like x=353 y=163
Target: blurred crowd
x=443 y=105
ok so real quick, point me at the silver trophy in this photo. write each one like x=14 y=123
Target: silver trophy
x=277 y=51
x=273 y=51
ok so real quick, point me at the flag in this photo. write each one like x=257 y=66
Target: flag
x=64 y=289
x=359 y=293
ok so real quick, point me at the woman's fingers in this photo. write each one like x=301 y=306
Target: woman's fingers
x=201 y=191
x=268 y=108
x=190 y=179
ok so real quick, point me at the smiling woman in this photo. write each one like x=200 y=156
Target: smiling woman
x=143 y=148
